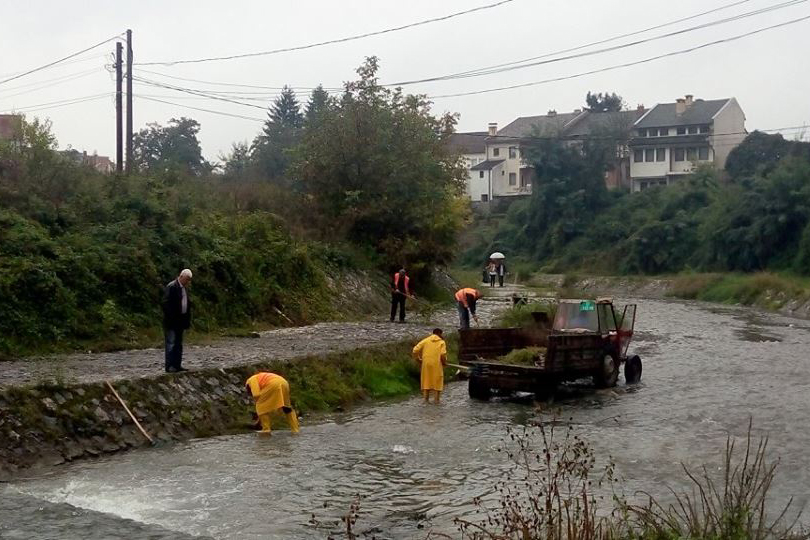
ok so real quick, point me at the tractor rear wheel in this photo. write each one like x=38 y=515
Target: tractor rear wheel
x=632 y=370
x=479 y=389
x=607 y=374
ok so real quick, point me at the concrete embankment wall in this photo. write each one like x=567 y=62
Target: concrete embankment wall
x=50 y=424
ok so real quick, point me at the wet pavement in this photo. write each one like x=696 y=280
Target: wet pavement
x=708 y=370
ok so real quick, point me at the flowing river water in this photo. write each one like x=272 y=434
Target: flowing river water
x=707 y=371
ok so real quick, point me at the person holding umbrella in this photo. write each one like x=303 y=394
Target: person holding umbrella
x=500 y=267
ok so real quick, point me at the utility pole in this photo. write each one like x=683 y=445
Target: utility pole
x=119 y=109
x=129 y=101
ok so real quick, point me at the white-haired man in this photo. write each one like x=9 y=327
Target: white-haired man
x=176 y=319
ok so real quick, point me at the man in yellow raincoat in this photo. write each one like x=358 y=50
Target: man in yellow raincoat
x=431 y=352
x=271 y=392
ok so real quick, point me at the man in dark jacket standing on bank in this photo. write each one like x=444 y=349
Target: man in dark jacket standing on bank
x=176 y=319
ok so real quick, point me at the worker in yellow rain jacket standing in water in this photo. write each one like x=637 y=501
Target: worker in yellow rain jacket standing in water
x=431 y=352
x=271 y=392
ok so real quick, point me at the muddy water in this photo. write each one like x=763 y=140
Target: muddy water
x=707 y=371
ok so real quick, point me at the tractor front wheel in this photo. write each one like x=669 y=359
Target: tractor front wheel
x=479 y=389
x=632 y=370
x=607 y=374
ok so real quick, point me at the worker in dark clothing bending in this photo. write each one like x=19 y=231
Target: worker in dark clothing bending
x=399 y=292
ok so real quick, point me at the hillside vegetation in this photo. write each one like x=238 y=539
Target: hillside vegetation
x=360 y=181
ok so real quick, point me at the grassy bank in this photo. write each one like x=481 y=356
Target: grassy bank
x=762 y=289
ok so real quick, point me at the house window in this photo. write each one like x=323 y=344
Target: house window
x=704 y=129
x=691 y=130
x=663 y=132
x=691 y=154
x=642 y=133
x=484 y=197
x=703 y=153
x=679 y=154
x=660 y=154
x=496 y=152
x=512 y=152
x=681 y=131
x=512 y=179
x=480 y=174
x=649 y=155
x=638 y=156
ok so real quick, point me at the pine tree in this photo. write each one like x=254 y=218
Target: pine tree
x=280 y=134
x=285 y=113
x=318 y=102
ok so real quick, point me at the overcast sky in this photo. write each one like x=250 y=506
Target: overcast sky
x=764 y=72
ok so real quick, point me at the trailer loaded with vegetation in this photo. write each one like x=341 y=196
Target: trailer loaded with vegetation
x=587 y=339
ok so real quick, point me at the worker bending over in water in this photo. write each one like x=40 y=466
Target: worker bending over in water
x=431 y=352
x=271 y=392
x=466 y=299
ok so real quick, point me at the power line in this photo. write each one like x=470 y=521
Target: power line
x=51 y=83
x=329 y=42
x=202 y=109
x=40 y=68
x=197 y=93
x=511 y=66
x=56 y=104
x=217 y=83
x=608 y=40
x=76 y=61
x=627 y=64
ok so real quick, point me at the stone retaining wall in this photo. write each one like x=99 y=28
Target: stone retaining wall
x=50 y=424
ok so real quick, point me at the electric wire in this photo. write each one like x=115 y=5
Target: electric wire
x=626 y=64
x=255 y=86
x=56 y=104
x=328 y=42
x=223 y=113
x=47 y=84
x=614 y=38
x=523 y=63
x=55 y=62
x=197 y=93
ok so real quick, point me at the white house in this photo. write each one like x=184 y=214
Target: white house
x=672 y=138
x=472 y=147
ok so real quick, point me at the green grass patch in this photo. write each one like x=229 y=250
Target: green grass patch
x=765 y=289
x=522 y=315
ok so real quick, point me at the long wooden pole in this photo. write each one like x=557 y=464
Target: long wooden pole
x=145 y=434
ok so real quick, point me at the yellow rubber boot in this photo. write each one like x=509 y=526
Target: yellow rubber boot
x=265 y=420
x=292 y=419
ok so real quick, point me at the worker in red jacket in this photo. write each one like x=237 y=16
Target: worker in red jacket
x=400 y=290
x=466 y=299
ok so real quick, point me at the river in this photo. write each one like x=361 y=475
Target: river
x=707 y=371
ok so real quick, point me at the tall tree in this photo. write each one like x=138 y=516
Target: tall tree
x=280 y=133
x=318 y=102
x=604 y=102
x=173 y=147
x=378 y=170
